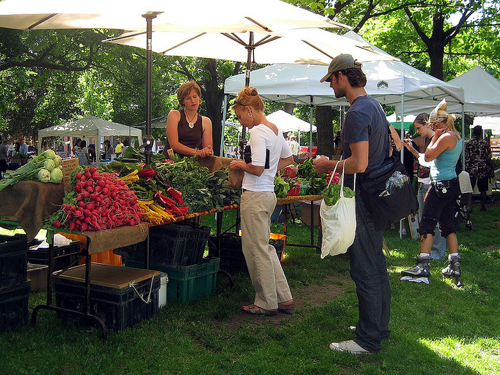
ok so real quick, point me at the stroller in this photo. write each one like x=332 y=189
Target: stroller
x=462 y=206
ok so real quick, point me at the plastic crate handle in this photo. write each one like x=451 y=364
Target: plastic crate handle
x=148 y=300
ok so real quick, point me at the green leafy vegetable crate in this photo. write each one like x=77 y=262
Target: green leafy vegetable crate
x=187 y=283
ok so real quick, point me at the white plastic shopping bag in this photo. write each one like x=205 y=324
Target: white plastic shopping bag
x=338 y=222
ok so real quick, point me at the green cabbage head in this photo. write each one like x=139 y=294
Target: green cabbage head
x=43 y=175
x=56 y=176
x=49 y=165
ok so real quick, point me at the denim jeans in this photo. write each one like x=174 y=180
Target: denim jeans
x=438 y=251
x=369 y=273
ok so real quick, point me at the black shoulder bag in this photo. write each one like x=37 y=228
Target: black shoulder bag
x=388 y=202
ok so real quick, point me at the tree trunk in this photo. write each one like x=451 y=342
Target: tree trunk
x=436 y=45
x=213 y=98
x=289 y=108
x=324 y=119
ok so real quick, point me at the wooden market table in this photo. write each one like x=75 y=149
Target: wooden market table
x=286 y=202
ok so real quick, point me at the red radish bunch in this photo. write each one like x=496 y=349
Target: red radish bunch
x=102 y=201
x=335 y=179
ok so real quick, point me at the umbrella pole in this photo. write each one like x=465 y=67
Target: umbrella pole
x=250 y=47
x=148 y=139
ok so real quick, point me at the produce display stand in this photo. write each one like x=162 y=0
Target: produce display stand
x=26 y=205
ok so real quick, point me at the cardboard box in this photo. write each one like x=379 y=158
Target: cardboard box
x=68 y=165
x=305 y=215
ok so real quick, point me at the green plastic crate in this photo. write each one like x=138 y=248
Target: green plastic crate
x=187 y=283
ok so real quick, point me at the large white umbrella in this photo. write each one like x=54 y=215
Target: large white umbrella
x=170 y=15
x=299 y=46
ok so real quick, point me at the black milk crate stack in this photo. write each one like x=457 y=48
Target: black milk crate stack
x=64 y=256
x=170 y=245
x=187 y=283
x=231 y=255
x=119 y=296
x=14 y=286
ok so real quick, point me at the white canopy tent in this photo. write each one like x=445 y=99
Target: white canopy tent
x=390 y=82
x=482 y=95
x=492 y=123
x=289 y=123
x=89 y=127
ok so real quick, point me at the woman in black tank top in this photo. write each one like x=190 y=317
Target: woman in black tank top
x=189 y=133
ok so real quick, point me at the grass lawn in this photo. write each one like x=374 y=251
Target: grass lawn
x=436 y=328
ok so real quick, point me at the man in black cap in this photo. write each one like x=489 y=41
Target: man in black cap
x=365 y=145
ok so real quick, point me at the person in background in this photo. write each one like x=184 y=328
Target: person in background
x=478 y=164
x=83 y=154
x=3 y=158
x=15 y=160
x=77 y=145
x=10 y=150
x=108 y=150
x=118 y=148
x=337 y=143
x=268 y=152
x=365 y=145
x=426 y=133
x=91 y=152
x=294 y=145
x=189 y=133
x=23 y=147
x=441 y=157
x=126 y=145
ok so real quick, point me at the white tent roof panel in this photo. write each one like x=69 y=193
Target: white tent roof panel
x=90 y=126
x=387 y=82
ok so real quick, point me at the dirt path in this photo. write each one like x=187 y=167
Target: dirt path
x=305 y=298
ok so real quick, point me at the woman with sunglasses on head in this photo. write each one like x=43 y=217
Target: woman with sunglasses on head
x=268 y=152
x=188 y=132
x=441 y=157
x=425 y=132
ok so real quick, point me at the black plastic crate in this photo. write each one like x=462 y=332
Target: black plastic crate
x=170 y=245
x=14 y=306
x=119 y=306
x=231 y=255
x=13 y=260
x=64 y=256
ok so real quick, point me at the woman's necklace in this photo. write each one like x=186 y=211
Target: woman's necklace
x=191 y=122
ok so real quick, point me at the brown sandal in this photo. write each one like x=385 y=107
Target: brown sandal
x=256 y=310
x=286 y=308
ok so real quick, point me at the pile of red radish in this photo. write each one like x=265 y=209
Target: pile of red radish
x=101 y=201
